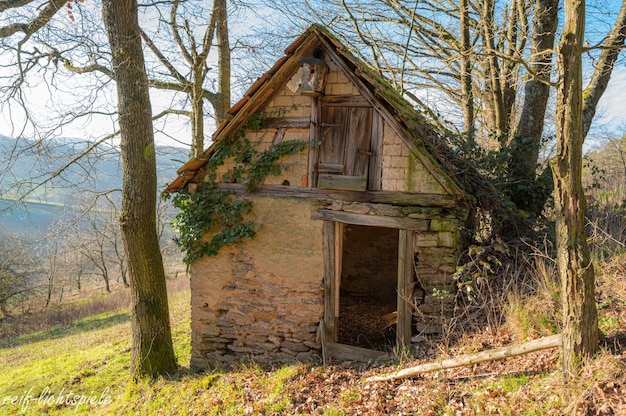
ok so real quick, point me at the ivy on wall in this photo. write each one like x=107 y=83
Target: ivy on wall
x=211 y=211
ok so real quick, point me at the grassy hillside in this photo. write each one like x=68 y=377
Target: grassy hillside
x=88 y=360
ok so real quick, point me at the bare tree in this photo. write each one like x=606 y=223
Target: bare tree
x=152 y=351
x=580 y=329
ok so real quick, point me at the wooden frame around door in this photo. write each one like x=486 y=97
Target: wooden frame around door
x=333 y=241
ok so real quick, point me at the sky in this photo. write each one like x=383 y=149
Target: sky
x=611 y=111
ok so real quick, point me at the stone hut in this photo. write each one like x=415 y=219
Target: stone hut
x=359 y=237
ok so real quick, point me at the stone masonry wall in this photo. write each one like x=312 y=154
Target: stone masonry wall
x=262 y=299
x=402 y=171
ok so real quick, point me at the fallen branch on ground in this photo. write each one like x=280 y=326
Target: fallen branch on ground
x=489 y=355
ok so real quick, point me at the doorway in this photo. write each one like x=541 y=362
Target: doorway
x=367 y=315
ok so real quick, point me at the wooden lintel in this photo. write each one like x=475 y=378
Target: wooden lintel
x=370 y=220
x=378 y=197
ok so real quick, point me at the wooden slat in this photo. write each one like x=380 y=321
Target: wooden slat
x=344 y=352
x=330 y=168
x=356 y=157
x=314 y=139
x=351 y=183
x=379 y=197
x=376 y=160
x=345 y=101
x=370 y=220
x=405 y=287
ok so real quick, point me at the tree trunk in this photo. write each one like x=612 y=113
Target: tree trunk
x=580 y=329
x=523 y=189
x=223 y=48
x=467 y=96
x=152 y=352
x=492 y=71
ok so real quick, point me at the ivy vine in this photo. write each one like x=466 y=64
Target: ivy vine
x=214 y=211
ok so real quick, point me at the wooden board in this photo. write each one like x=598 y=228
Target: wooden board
x=350 y=353
x=370 y=220
x=350 y=183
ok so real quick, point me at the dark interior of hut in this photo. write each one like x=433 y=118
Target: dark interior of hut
x=368 y=288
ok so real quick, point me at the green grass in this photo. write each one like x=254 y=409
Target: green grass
x=46 y=372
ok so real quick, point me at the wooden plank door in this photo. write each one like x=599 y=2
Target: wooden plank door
x=345 y=151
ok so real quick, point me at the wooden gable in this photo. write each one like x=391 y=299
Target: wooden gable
x=349 y=126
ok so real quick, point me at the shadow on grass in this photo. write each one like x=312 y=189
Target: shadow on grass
x=92 y=323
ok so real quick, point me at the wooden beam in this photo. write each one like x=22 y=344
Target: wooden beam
x=346 y=182
x=378 y=197
x=345 y=101
x=351 y=353
x=370 y=220
x=288 y=123
x=489 y=355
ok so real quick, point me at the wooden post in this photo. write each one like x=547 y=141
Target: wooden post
x=405 y=286
x=330 y=327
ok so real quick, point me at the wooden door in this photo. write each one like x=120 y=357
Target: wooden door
x=345 y=151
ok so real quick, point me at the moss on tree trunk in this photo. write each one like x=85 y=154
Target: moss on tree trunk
x=580 y=332
x=152 y=351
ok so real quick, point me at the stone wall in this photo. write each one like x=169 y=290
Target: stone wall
x=262 y=299
x=402 y=171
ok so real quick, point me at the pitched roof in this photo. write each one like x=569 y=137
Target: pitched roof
x=428 y=142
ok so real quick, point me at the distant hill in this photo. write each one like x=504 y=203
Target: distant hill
x=24 y=163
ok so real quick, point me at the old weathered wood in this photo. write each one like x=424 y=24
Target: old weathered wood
x=370 y=220
x=279 y=136
x=287 y=122
x=345 y=101
x=336 y=286
x=351 y=353
x=313 y=77
x=405 y=287
x=330 y=327
x=315 y=145
x=378 y=197
x=490 y=355
x=330 y=168
x=345 y=182
x=346 y=141
x=376 y=147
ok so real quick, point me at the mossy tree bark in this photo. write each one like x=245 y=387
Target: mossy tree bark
x=524 y=190
x=152 y=351
x=580 y=331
